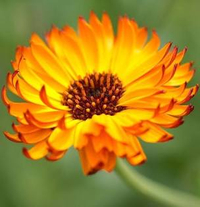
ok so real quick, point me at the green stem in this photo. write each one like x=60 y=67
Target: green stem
x=153 y=190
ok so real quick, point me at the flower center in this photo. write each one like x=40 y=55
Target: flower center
x=96 y=93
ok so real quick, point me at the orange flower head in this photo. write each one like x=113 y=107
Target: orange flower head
x=97 y=92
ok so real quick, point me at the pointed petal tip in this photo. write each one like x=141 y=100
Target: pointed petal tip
x=190 y=108
x=185 y=49
x=16 y=72
x=34 y=37
x=26 y=153
x=81 y=19
x=22 y=138
x=5 y=99
x=55 y=155
x=191 y=63
x=105 y=12
x=3 y=95
x=154 y=33
x=92 y=13
x=166 y=138
x=12 y=137
x=14 y=127
x=44 y=97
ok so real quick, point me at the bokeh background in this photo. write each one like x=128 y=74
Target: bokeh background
x=41 y=183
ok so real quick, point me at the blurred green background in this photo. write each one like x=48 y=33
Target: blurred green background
x=41 y=183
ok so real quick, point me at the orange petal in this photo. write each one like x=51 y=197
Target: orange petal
x=48 y=61
x=154 y=133
x=18 y=57
x=93 y=161
x=187 y=94
x=181 y=79
x=108 y=29
x=141 y=37
x=67 y=48
x=181 y=110
x=46 y=76
x=53 y=156
x=48 y=116
x=123 y=46
x=29 y=76
x=141 y=66
x=111 y=162
x=89 y=45
x=24 y=129
x=9 y=81
x=138 y=159
x=18 y=109
x=114 y=130
x=103 y=41
x=12 y=137
x=167 y=121
x=33 y=121
x=149 y=79
x=129 y=98
x=103 y=141
x=35 y=137
x=27 y=92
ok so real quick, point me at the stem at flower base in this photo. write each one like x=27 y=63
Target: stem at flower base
x=153 y=190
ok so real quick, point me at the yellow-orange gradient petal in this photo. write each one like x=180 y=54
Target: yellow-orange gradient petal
x=98 y=92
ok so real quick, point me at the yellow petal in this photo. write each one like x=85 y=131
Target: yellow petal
x=89 y=45
x=28 y=93
x=46 y=76
x=111 y=127
x=48 y=61
x=124 y=45
x=37 y=152
x=61 y=139
x=45 y=96
x=103 y=41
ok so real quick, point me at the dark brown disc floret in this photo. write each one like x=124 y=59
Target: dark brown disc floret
x=96 y=93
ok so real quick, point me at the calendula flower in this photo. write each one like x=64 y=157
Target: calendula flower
x=97 y=92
